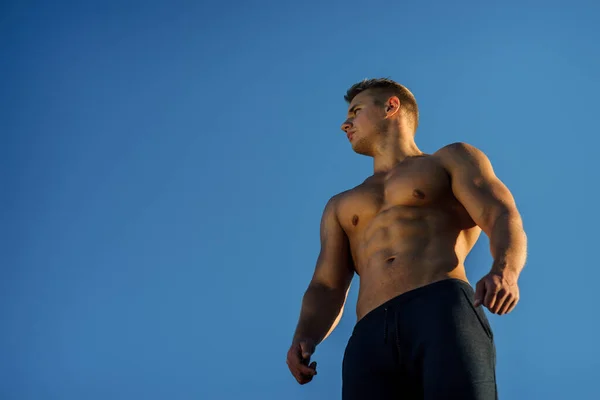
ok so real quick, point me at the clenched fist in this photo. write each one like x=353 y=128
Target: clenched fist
x=298 y=359
x=498 y=292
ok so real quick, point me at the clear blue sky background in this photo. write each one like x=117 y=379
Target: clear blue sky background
x=165 y=166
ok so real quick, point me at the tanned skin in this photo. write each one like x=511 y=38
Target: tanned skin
x=412 y=223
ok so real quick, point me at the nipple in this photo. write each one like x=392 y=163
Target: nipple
x=418 y=194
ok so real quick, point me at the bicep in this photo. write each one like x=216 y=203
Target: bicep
x=476 y=186
x=484 y=197
x=334 y=268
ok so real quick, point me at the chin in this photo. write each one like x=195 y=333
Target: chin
x=362 y=146
x=362 y=152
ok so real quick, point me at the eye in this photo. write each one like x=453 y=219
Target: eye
x=356 y=111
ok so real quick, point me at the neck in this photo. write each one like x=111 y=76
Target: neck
x=397 y=144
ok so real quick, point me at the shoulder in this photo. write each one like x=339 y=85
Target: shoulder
x=340 y=197
x=461 y=155
x=335 y=202
x=459 y=149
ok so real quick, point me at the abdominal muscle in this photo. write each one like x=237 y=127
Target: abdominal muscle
x=404 y=248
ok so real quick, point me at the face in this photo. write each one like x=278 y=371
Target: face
x=365 y=123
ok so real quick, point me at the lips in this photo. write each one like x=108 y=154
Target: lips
x=349 y=135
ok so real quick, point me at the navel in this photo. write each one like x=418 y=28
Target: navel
x=355 y=220
x=418 y=194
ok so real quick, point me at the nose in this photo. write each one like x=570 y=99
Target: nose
x=346 y=126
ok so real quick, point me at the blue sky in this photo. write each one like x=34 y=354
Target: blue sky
x=165 y=166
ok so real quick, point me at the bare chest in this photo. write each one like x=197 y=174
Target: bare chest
x=416 y=183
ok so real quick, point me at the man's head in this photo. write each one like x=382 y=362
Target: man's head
x=375 y=106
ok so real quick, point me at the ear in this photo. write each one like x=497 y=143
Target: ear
x=392 y=106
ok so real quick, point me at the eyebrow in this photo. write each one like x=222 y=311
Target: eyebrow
x=350 y=111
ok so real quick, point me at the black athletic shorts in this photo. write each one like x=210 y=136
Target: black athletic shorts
x=429 y=343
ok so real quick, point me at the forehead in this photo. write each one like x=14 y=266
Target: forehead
x=365 y=97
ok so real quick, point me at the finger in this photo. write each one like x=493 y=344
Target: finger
x=501 y=298
x=306 y=370
x=303 y=380
x=490 y=296
x=307 y=377
x=512 y=305
x=296 y=364
x=303 y=375
x=505 y=305
x=297 y=367
x=479 y=293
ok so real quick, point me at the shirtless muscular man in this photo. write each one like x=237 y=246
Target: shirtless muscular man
x=421 y=332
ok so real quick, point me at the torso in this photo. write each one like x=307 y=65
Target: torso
x=406 y=229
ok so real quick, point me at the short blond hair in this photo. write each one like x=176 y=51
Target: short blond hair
x=385 y=87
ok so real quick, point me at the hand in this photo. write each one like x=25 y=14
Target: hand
x=498 y=292
x=298 y=358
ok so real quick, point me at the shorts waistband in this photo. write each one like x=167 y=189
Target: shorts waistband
x=410 y=295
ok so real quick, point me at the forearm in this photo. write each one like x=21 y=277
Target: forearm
x=320 y=312
x=508 y=243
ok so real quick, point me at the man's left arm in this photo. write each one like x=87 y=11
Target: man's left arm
x=492 y=207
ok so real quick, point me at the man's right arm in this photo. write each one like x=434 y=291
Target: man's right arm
x=325 y=296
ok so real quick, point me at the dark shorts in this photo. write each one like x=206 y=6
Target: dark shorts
x=429 y=343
